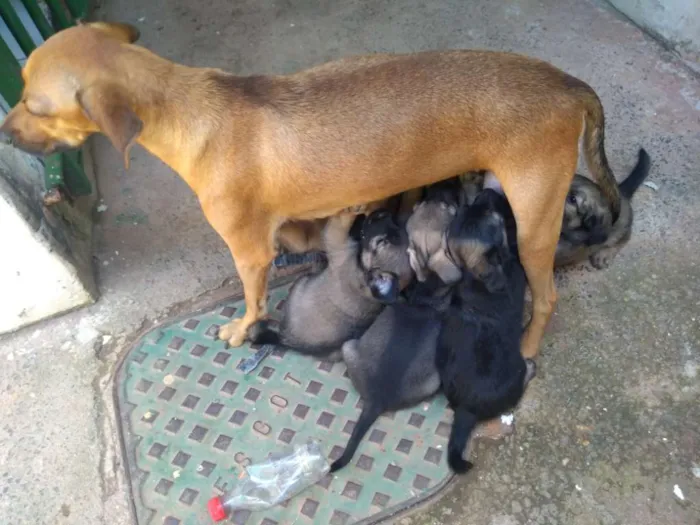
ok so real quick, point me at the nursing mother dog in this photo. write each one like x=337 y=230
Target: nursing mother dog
x=260 y=151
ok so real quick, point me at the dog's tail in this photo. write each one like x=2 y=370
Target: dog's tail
x=594 y=150
x=640 y=171
x=462 y=427
x=370 y=413
x=260 y=333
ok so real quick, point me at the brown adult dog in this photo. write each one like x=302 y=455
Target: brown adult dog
x=261 y=150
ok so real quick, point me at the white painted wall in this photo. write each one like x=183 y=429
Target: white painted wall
x=36 y=280
x=676 y=21
x=45 y=267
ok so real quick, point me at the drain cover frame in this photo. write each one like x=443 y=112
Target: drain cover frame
x=182 y=408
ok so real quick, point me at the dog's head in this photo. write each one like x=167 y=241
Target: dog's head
x=426 y=227
x=477 y=239
x=587 y=213
x=71 y=90
x=384 y=245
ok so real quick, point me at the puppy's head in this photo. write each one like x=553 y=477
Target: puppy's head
x=478 y=242
x=587 y=213
x=71 y=90
x=426 y=227
x=384 y=245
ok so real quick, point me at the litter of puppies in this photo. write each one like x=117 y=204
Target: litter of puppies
x=428 y=303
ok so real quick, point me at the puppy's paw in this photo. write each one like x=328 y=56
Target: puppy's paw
x=234 y=332
x=602 y=259
x=496 y=429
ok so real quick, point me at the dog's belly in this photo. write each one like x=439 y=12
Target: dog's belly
x=345 y=192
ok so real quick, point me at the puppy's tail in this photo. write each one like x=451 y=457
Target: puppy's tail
x=462 y=427
x=260 y=333
x=594 y=149
x=370 y=413
x=640 y=171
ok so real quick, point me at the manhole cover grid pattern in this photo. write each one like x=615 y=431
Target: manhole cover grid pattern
x=191 y=422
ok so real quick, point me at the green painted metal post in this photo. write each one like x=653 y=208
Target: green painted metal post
x=78 y=8
x=10 y=79
x=37 y=15
x=59 y=13
x=11 y=18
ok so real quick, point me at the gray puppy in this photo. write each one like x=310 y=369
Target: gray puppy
x=328 y=308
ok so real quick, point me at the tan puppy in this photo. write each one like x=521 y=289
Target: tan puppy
x=261 y=150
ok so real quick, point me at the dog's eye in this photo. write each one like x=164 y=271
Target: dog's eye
x=571 y=199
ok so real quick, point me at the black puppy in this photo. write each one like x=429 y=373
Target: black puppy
x=392 y=365
x=482 y=372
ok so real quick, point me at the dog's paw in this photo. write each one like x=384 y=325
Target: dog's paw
x=234 y=333
x=602 y=259
x=495 y=429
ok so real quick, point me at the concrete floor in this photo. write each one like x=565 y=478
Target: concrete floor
x=612 y=423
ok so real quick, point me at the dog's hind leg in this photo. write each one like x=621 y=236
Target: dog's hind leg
x=537 y=195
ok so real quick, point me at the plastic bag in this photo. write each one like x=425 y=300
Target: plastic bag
x=273 y=481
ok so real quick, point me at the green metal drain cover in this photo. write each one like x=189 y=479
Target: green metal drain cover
x=190 y=423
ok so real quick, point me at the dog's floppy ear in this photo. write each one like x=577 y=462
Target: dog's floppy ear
x=110 y=110
x=383 y=285
x=124 y=32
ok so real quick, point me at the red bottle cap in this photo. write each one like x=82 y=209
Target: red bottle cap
x=216 y=509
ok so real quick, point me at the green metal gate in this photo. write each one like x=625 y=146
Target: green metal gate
x=25 y=24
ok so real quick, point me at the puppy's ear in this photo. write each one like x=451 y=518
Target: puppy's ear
x=445 y=269
x=110 y=110
x=124 y=32
x=383 y=285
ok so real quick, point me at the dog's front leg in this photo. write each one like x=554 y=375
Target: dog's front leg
x=251 y=241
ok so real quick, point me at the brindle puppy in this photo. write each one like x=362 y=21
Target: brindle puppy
x=588 y=230
x=426 y=228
